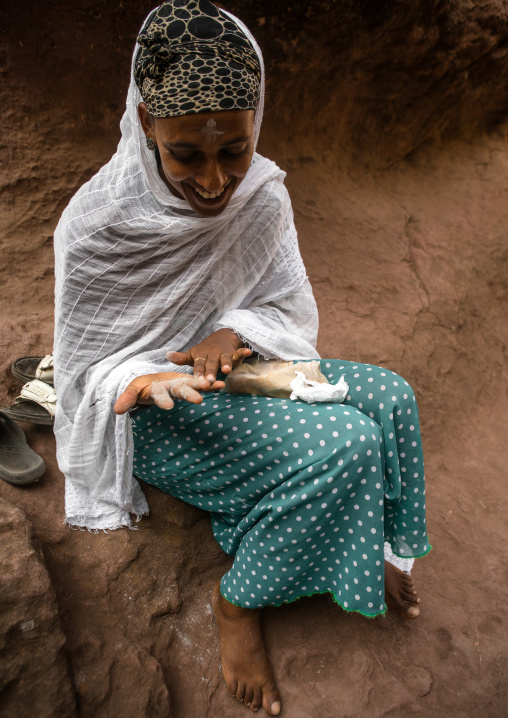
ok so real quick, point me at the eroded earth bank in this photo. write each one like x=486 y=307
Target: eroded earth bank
x=389 y=120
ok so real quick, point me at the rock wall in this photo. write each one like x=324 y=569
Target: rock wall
x=34 y=676
x=389 y=120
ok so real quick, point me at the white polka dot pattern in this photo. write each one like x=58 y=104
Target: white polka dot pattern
x=303 y=495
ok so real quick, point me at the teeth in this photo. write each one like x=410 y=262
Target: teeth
x=211 y=195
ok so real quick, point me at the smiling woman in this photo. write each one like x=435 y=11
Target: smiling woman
x=202 y=158
x=180 y=260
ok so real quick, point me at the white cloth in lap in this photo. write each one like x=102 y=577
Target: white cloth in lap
x=138 y=273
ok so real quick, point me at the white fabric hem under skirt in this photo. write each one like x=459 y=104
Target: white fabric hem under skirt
x=404 y=564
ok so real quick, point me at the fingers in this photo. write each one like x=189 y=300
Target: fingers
x=200 y=364
x=202 y=384
x=179 y=358
x=153 y=387
x=163 y=392
x=187 y=393
x=240 y=355
x=199 y=367
x=207 y=358
x=206 y=367
x=160 y=394
x=126 y=400
x=186 y=388
x=226 y=362
x=230 y=361
x=212 y=366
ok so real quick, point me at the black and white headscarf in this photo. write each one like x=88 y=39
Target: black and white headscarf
x=194 y=58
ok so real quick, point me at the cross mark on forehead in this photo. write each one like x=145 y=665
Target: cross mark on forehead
x=210 y=130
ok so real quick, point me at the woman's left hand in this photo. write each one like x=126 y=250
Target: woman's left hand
x=221 y=350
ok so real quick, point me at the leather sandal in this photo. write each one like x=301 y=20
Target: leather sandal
x=19 y=464
x=28 y=368
x=36 y=403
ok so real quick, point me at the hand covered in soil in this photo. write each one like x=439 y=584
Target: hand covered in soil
x=222 y=350
x=162 y=389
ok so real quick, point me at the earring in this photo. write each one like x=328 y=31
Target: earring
x=151 y=144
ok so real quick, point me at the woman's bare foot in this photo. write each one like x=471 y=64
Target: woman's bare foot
x=400 y=592
x=245 y=666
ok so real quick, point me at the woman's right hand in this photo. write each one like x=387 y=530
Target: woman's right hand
x=162 y=388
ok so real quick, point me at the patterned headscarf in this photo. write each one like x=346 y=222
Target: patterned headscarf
x=193 y=58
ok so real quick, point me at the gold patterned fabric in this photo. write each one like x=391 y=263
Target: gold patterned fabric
x=194 y=58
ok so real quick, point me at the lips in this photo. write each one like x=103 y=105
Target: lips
x=212 y=205
x=211 y=195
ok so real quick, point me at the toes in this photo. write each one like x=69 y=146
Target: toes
x=410 y=595
x=233 y=687
x=257 y=700
x=408 y=590
x=401 y=593
x=271 y=700
x=240 y=692
x=412 y=612
x=247 y=699
x=412 y=599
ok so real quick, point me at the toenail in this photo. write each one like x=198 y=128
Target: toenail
x=275 y=708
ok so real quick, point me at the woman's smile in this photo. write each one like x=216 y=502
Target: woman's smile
x=202 y=157
x=209 y=203
x=210 y=195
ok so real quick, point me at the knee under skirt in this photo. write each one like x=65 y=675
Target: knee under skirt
x=302 y=495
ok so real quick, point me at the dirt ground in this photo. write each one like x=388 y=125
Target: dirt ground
x=402 y=220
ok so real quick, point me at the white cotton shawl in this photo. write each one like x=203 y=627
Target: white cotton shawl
x=138 y=273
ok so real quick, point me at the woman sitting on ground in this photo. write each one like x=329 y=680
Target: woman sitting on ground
x=176 y=262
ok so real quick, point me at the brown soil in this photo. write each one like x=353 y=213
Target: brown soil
x=388 y=119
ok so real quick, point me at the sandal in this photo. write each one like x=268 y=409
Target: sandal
x=19 y=464
x=36 y=403
x=28 y=368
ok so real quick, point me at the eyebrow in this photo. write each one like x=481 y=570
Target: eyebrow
x=191 y=146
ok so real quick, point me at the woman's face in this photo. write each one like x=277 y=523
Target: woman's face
x=204 y=156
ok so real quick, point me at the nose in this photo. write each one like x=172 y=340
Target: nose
x=211 y=176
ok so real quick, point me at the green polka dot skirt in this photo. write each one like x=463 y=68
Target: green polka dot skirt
x=302 y=495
